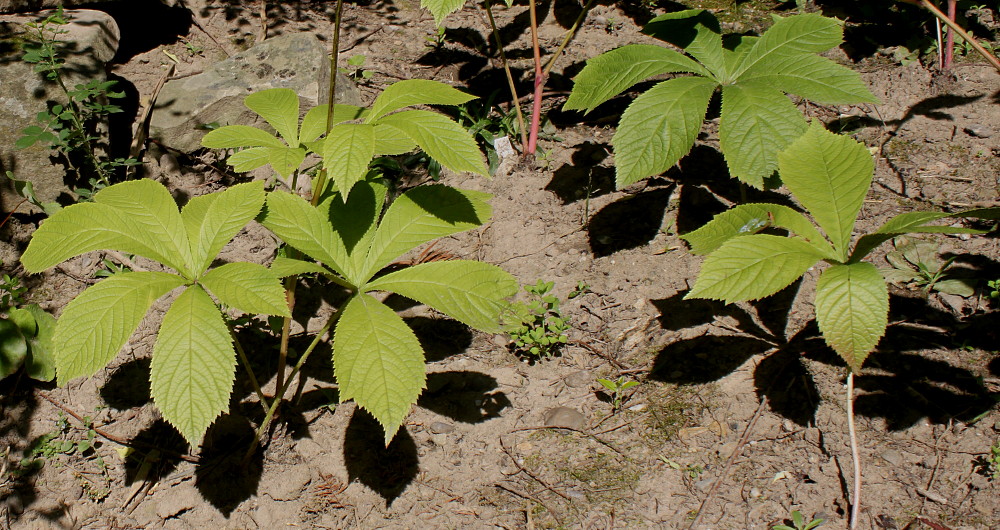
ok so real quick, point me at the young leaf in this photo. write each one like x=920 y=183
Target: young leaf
x=611 y=73
x=830 y=175
x=347 y=151
x=234 y=136
x=212 y=220
x=441 y=138
x=194 y=364
x=250 y=159
x=283 y=267
x=441 y=8
x=284 y=160
x=96 y=324
x=355 y=223
x=378 y=362
x=411 y=92
x=852 y=310
x=660 y=127
x=752 y=267
x=757 y=123
x=280 y=107
x=748 y=219
x=248 y=287
x=697 y=32
x=471 y=292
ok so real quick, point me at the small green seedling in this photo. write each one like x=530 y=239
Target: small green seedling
x=989 y=465
x=799 y=522
x=692 y=471
x=994 y=286
x=539 y=327
x=356 y=70
x=581 y=289
x=916 y=262
x=436 y=41
x=617 y=389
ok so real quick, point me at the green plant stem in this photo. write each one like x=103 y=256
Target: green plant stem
x=856 y=497
x=536 y=104
x=246 y=365
x=569 y=36
x=516 y=101
x=284 y=388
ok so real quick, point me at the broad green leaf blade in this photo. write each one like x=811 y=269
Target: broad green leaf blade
x=614 y=72
x=752 y=267
x=736 y=48
x=280 y=107
x=830 y=175
x=378 y=362
x=283 y=267
x=347 y=151
x=284 y=160
x=85 y=227
x=250 y=159
x=314 y=122
x=659 y=127
x=194 y=365
x=910 y=222
x=97 y=323
x=441 y=138
x=211 y=221
x=420 y=215
x=697 y=32
x=852 y=310
x=813 y=77
x=964 y=287
x=757 y=122
x=304 y=228
x=355 y=223
x=795 y=35
x=415 y=92
x=248 y=287
x=233 y=136
x=13 y=347
x=441 y=8
x=390 y=141
x=40 y=363
x=471 y=292
x=748 y=219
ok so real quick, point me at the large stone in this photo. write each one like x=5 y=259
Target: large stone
x=26 y=6
x=91 y=41
x=298 y=61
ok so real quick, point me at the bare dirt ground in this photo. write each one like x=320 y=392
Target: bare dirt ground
x=739 y=416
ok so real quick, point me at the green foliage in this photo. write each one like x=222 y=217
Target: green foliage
x=917 y=262
x=63 y=442
x=799 y=522
x=487 y=122
x=754 y=74
x=193 y=358
x=829 y=175
x=25 y=333
x=988 y=465
x=538 y=327
x=356 y=70
x=617 y=389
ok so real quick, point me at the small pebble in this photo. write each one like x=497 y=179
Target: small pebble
x=892 y=456
x=979 y=131
x=579 y=379
x=564 y=417
x=755 y=492
x=440 y=427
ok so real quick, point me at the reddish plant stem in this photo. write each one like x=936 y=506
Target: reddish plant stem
x=949 y=39
x=536 y=107
x=5 y=219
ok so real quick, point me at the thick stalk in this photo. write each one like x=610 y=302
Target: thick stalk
x=536 y=104
x=510 y=78
x=949 y=39
x=856 y=496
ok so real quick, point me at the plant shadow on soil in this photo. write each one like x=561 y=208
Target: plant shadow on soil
x=899 y=384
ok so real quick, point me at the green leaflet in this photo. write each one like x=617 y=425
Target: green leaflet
x=660 y=127
x=852 y=310
x=13 y=347
x=410 y=92
x=748 y=219
x=757 y=122
x=697 y=32
x=250 y=159
x=915 y=222
x=347 y=151
x=284 y=267
x=213 y=220
x=830 y=175
x=248 y=287
x=378 y=361
x=355 y=223
x=795 y=35
x=441 y=138
x=96 y=324
x=471 y=292
x=391 y=141
x=752 y=267
x=233 y=136
x=280 y=107
x=304 y=228
x=40 y=363
x=611 y=73
x=813 y=77
x=193 y=366
x=420 y=215
x=284 y=160
x=441 y=8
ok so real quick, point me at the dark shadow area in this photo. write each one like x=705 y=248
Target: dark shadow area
x=386 y=470
x=128 y=385
x=628 y=223
x=583 y=177
x=19 y=405
x=222 y=476
x=159 y=445
x=468 y=397
x=440 y=337
x=139 y=32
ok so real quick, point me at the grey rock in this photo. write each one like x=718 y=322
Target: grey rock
x=298 y=61
x=178 y=500
x=979 y=130
x=892 y=456
x=91 y=41
x=564 y=417
x=440 y=427
x=289 y=483
x=704 y=484
x=579 y=379
x=25 y=6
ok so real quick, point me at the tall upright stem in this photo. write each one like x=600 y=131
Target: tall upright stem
x=536 y=104
x=510 y=78
x=949 y=39
x=856 y=497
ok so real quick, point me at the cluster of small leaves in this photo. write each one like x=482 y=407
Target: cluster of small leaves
x=25 y=333
x=67 y=128
x=754 y=73
x=65 y=440
x=917 y=262
x=357 y=71
x=487 y=122
x=829 y=175
x=799 y=523
x=617 y=389
x=539 y=327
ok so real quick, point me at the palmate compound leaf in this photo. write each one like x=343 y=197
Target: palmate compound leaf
x=852 y=310
x=96 y=324
x=659 y=127
x=212 y=220
x=748 y=219
x=757 y=122
x=305 y=229
x=697 y=31
x=248 y=287
x=347 y=151
x=411 y=92
x=280 y=107
x=752 y=267
x=830 y=175
x=378 y=361
x=471 y=292
x=194 y=364
x=611 y=73
x=441 y=138
x=794 y=35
